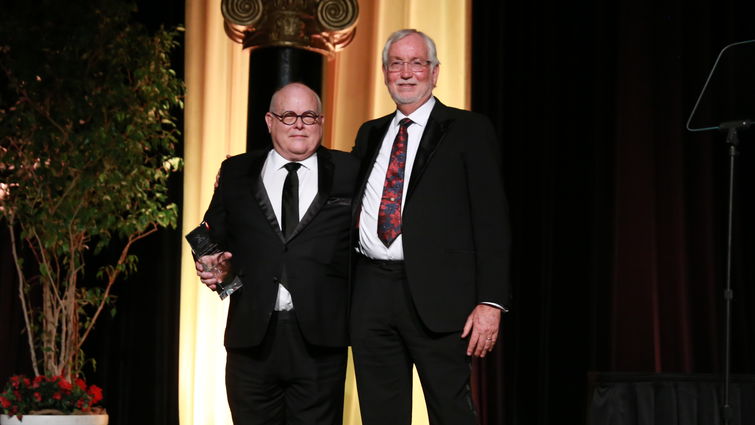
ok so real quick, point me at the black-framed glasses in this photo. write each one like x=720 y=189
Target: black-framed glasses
x=289 y=117
x=415 y=65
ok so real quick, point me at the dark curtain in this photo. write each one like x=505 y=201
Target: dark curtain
x=618 y=212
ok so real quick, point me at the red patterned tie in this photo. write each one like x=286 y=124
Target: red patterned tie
x=389 y=217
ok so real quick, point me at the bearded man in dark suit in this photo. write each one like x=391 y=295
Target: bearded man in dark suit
x=431 y=275
x=283 y=217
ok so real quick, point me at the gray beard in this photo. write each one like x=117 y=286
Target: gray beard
x=408 y=100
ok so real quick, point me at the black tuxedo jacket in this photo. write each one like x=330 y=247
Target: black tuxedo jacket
x=455 y=227
x=315 y=257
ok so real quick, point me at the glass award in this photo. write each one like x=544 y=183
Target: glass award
x=202 y=245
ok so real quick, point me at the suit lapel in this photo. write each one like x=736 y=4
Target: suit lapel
x=324 y=186
x=260 y=194
x=435 y=130
x=374 y=140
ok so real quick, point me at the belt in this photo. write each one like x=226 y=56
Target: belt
x=284 y=315
x=393 y=265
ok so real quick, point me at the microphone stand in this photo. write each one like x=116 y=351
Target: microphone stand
x=732 y=139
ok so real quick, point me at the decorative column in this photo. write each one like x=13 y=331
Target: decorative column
x=289 y=39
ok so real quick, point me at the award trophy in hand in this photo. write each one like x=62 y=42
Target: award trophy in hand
x=202 y=245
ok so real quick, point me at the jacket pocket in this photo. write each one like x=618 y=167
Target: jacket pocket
x=339 y=201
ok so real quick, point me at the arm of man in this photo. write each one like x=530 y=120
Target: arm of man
x=215 y=268
x=489 y=215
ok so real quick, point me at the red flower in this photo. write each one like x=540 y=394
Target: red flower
x=65 y=385
x=96 y=393
x=22 y=394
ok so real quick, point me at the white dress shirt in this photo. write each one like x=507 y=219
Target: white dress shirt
x=369 y=243
x=273 y=176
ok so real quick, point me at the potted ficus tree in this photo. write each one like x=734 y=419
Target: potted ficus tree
x=87 y=144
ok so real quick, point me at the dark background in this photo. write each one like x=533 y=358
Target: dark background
x=619 y=214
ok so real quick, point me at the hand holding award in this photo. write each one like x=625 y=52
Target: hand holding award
x=212 y=260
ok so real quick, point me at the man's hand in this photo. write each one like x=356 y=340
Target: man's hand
x=214 y=269
x=482 y=328
x=217 y=176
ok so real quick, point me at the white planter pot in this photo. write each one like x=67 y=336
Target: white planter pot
x=55 y=420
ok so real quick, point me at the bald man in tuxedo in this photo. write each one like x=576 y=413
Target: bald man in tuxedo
x=286 y=333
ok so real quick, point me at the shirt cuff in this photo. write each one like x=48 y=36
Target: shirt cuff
x=504 y=309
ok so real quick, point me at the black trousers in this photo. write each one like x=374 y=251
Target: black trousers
x=388 y=337
x=285 y=380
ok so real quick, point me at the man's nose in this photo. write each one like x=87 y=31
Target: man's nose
x=406 y=73
x=299 y=123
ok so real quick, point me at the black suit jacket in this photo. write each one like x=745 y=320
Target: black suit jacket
x=456 y=235
x=315 y=257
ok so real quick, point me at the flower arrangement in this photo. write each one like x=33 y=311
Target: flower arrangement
x=51 y=395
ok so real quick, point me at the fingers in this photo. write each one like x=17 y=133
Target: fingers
x=483 y=323
x=213 y=269
x=217 y=176
x=223 y=259
x=480 y=344
x=488 y=345
x=467 y=326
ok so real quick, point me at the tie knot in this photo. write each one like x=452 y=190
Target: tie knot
x=406 y=122
x=292 y=166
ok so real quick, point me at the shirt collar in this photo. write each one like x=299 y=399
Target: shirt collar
x=419 y=116
x=277 y=161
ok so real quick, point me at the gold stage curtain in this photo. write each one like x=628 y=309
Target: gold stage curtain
x=215 y=126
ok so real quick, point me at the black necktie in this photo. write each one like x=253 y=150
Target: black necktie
x=290 y=204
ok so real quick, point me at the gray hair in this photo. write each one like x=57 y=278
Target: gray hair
x=274 y=98
x=398 y=35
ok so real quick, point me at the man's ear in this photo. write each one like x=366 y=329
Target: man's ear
x=269 y=120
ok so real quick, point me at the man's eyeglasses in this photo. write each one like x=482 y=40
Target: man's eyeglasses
x=415 y=65
x=289 y=118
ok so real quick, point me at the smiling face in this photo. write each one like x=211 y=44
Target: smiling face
x=410 y=89
x=298 y=141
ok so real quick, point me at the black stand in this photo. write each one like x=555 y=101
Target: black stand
x=732 y=139
x=726 y=101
